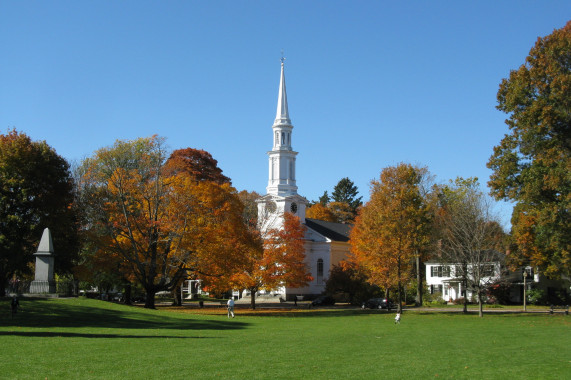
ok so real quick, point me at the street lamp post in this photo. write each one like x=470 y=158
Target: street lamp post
x=524 y=289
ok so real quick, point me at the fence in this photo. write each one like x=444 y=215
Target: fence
x=64 y=287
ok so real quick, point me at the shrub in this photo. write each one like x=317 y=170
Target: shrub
x=435 y=299
x=458 y=301
x=500 y=293
x=536 y=297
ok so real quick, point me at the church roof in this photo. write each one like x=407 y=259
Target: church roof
x=331 y=230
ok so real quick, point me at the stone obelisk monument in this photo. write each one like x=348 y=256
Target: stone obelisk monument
x=44 y=279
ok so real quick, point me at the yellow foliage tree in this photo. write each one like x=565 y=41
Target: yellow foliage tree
x=160 y=225
x=391 y=227
x=320 y=212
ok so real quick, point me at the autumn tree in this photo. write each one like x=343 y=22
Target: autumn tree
x=160 y=224
x=471 y=237
x=250 y=214
x=200 y=166
x=391 y=228
x=342 y=212
x=196 y=163
x=36 y=191
x=278 y=261
x=320 y=212
x=532 y=163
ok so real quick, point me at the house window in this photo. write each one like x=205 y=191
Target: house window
x=440 y=271
x=487 y=270
x=435 y=289
x=319 y=271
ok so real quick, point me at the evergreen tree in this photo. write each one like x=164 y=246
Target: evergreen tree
x=324 y=199
x=346 y=192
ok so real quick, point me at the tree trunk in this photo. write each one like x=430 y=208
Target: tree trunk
x=150 y=299
x=75 y=287
x=128 y=293
x=480 y=305
x=253 y=299
x=418 y=299
x=399 y=292
x=177 y=296
x=2 y=287
x=465 y=284
x=399 y=287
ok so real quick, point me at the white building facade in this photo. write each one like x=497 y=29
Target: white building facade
x=445 y=279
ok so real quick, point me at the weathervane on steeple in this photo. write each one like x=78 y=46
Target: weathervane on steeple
x=282 y=58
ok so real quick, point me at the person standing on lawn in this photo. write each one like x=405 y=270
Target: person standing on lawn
x=231 y=307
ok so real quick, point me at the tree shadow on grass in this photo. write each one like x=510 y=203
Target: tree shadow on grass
x=42 y=313
x=45 y=334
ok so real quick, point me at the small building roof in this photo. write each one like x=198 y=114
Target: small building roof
x=331 y=230
x=492 y=255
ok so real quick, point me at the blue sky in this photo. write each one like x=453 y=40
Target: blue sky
x=370 y=83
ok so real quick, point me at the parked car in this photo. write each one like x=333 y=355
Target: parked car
x=377 y=303
x=323 y=301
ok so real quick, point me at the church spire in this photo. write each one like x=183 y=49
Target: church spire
x=282 y=114
x=282 y=157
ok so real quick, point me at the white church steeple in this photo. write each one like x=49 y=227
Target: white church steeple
x=282 y=114
x=282 y=157
x=282 y=189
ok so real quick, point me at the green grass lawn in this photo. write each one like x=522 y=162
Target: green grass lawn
x=88 y=339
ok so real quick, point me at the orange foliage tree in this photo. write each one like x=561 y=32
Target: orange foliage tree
x=196 y=163
x=160 y=225
x=278 y=261
x=320 y=212
x=391 y=228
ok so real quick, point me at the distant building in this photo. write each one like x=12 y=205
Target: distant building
x=326 y=243
x=445 y=279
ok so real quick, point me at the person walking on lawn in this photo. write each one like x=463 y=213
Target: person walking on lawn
x=231 y=307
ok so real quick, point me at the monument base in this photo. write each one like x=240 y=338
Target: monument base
x=39 y=287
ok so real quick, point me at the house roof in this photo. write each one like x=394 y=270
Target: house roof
x=331 y=230
x=493 y=256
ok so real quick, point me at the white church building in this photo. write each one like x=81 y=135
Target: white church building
x=326 y=243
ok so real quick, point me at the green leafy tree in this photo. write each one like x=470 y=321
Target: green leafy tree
x=36 y=191
x=324 y=199
x=349 y=279
x=346 y=192
x=532 y=163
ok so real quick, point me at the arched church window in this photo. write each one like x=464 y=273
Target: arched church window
x=283 y=138
x=319 y=271
x=277 y=138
